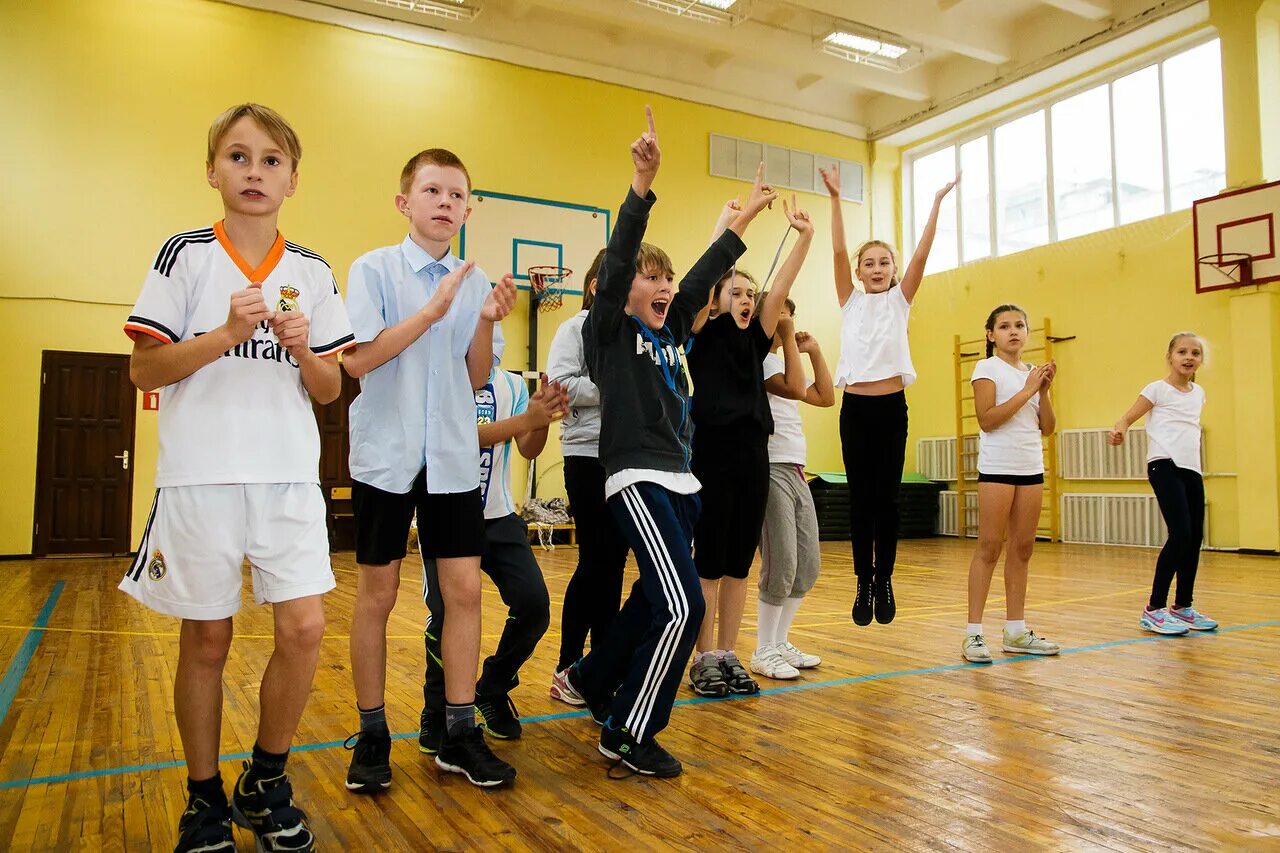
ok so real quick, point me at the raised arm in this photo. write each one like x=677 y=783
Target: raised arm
x=821 y=392
x=728 y=213
x=844 y=273
x=617 y=270
x=791 y=382
x=991 y=416
x=776 y=296
x=1140 y=408
x=695 y=287
x=915 y=270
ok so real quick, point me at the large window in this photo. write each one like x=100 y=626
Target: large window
x=1147 y=142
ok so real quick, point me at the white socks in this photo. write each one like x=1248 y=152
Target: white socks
x=789 y=608
x=1014 y=627
x=973 y=629
x=768 y=616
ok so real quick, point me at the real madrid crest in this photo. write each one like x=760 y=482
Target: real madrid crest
x=156 y=568
x=288 y=298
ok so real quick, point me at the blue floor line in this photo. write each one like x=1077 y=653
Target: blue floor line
x=18 y=666
x=545 y=718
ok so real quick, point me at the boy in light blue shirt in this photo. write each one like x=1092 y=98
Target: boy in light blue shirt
x=427 y=335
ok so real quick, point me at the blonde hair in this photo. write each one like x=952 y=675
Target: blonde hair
x=731 y=273
x=652 y=259
x=1177 y=336
x=442 y=157
x=271 y=122
x=871 y=244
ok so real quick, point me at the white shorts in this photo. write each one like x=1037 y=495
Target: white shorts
x=197 y=538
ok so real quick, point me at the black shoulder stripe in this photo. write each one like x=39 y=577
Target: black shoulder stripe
x=334 y=346
x=152 y=324
x=173 y=247
x=305 y=252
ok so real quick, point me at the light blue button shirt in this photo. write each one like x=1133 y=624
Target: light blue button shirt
x=419 y=408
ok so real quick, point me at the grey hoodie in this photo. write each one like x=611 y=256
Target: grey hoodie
x=566 y=364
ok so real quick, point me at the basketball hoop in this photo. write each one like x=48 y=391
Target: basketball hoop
x=1235 y=266
x=548 y=285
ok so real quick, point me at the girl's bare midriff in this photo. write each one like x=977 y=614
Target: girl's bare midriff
x=878 y=388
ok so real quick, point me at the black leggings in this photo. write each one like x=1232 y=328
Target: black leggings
x=873 y=441
x=594 y=593
x=1180 y=493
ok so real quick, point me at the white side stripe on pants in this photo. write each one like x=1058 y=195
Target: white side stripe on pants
x=677 y=604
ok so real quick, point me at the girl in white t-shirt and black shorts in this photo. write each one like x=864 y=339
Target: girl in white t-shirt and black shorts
x=1172 y=407
x=1011 y=399
x=874 y=370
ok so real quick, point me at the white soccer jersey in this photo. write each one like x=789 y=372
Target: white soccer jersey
x=246 y=417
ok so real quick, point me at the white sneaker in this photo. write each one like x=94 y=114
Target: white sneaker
x=1029 y=643
x=975 y=649
x=769 y=662
x=797 y=658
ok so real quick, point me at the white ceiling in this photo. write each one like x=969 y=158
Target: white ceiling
x=768 y=64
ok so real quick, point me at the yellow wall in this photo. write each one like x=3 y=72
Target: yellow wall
x=107 y=105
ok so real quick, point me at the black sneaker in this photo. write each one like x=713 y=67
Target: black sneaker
x=500 y=716
x=886 y=607
x=736 y=676
x=647 y=758
x=266 y=808
x=862 y=603
x=205 y=826
x=430 y=732
x=469 y=755
x=370 y=769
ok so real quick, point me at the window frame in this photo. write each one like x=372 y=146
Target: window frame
x=963 y=135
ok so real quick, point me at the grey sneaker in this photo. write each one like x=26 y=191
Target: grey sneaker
x=1029 y=643
x=736 y=675
x=706 y=678
x=975 y=649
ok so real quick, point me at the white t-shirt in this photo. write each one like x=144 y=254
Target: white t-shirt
x=505 y=396
x=1173 y=424
x=787 y=442
x=873 y=338
x=246 y=417
x=1014 y=447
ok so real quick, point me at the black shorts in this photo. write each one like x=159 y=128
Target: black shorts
x=449 y=525
x=1012 y=479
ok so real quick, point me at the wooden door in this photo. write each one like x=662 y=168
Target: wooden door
x=335 y=450
x=84 y=457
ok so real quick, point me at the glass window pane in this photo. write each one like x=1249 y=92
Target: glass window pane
x=1082 y=163
x=975 y=199
x=1193 y=116
x=928 y=175
x=1022 y=214
x=1139 y=163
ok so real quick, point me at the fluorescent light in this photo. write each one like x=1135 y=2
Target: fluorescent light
x=452 y=10
x=703 y=11
x=869 y=46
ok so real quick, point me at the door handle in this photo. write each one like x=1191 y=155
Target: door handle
x=124 y=457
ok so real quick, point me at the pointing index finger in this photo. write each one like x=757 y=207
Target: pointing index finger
x=648 y=114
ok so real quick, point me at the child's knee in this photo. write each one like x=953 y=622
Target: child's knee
x=207 y=642
x=300 y=629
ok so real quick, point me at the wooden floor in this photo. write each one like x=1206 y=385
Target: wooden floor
x=1125 y=742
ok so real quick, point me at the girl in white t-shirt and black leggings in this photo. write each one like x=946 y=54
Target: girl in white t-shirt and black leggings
x=1012 y=403
x=1172 y=407
x=874 y=369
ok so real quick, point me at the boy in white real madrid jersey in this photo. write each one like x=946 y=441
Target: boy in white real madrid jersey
x=505 y=416
x=238 y=327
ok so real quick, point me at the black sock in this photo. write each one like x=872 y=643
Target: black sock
x=210 y=790
x=459 y=718
x=374 y=721
x=266 y=765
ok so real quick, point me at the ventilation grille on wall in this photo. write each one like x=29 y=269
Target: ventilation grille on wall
x=1116 y=520
x=936 y=457
x=783 y=167
x=1089 y=519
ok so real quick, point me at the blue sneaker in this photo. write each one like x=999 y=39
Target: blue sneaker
x=1192 y=618
x=1161 y=622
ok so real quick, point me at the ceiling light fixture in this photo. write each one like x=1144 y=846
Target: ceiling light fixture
x=869 y=46
x=731 y=12
x=451 y=10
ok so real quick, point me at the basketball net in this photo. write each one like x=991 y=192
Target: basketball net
x=548 y=284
